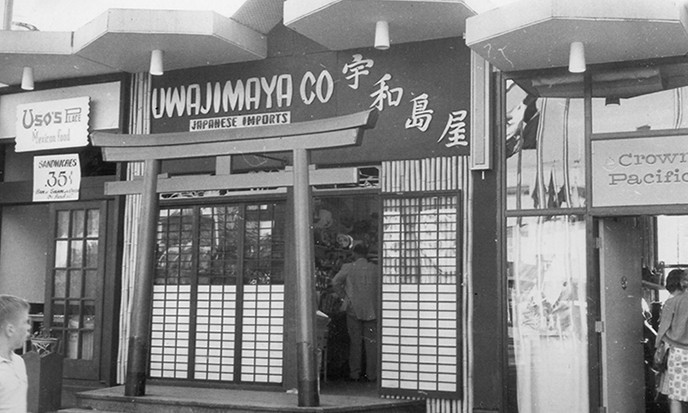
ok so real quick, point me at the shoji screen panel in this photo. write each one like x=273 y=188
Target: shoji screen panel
x=421 y=323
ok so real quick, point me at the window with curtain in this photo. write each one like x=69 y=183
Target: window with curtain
x=548 y=340
x=546 y=253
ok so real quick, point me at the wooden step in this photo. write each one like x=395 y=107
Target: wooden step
x=171 y=399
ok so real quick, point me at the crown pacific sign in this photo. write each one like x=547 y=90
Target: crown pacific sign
x=640 y=171
x=52 y=125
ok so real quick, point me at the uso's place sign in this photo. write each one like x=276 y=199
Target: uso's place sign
x=52 y=125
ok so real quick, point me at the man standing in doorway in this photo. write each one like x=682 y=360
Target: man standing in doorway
x=357 y=283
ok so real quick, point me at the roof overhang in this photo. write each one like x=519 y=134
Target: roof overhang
x=530 y=35
x=50 y=54
x=618 y=82
x=121 y=40
x=350 y=24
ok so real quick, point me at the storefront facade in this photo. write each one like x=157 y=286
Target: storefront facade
x=223 y=294
x=590 y=176
x=491 y=193
x=59 y=238
x=223 y=304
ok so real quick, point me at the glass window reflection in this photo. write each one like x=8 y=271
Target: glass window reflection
x=215 y=244
x=653 y=111
x=545 y=151
x=672 y=240
x=547 y=313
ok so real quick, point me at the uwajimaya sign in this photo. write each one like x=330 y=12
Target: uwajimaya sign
x=421 y=91
x=52 y=125
x=640 y=171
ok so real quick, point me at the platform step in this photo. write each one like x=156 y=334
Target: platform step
x=166 y=399
x=71 y=387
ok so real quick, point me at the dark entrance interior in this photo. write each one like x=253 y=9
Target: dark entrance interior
x=636 y=255
x=339 y=223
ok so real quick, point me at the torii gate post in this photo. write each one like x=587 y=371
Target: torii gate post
x=139 y=336
x=308 y=369
x=299 y=138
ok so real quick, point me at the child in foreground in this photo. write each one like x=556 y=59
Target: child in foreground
x=15 y=328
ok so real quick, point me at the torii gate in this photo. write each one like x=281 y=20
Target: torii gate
x=151 y=149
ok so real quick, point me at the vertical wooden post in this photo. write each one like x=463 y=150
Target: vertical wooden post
x=307 y=369
x=139 y=336
x=7 y=12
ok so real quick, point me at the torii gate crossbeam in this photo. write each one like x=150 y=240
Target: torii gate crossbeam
x=298 y=138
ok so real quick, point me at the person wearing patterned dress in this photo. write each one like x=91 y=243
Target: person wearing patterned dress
x=673 y=330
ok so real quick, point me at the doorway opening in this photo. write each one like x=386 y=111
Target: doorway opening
x=340 y=222
x=552 y=331
x=636 y=254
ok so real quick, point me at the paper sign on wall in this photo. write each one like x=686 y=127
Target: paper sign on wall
x=56 y=178
x=52 y=125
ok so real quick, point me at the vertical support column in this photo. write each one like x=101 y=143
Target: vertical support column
x=139 y=337
x=307 y=369
x=7 y=12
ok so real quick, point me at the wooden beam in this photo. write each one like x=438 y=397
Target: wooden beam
x=239 y=181
x=364 y=120
x=21 y=192
x=223 y=165
x=333 y=139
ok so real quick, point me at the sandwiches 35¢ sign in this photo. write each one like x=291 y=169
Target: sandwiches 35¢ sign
x=56 y=178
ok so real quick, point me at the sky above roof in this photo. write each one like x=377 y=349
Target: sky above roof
x=480 y=6
x=69 y=15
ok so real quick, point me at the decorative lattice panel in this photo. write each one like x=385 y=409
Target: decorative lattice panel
x=169 y=351
x=263 y=333
x=420 y=349
x=215 y=332
x=218 y=307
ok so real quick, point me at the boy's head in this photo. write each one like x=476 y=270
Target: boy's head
x=673 y=280
x=14 y=320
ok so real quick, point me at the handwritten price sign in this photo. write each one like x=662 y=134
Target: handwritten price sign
x=56 y=178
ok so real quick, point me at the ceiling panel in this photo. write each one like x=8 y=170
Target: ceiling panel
x=349 y=24
x=527 y=35
x=120 y=40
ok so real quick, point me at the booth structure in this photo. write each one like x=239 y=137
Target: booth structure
x=297 y=138
x=589 y=156
x=181 y=225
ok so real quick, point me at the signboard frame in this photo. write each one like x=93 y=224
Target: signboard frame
x=54 y=124
x=639 y=173
x=421 y=90
x=56 y=178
